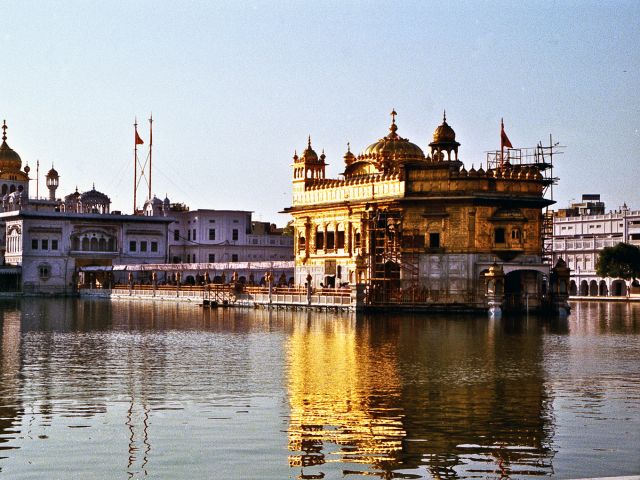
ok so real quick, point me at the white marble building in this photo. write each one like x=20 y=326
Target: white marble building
x=219 y=236
x=49 y=247
x=578 y=238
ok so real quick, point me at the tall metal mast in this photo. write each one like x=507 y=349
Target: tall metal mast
x=150 y=149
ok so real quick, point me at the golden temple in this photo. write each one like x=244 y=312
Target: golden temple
x=414 y=229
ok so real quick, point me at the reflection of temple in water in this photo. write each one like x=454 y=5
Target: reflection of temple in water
x=438 y=398
x=332 y=395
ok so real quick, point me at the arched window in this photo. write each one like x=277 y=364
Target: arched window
x=85 y=244
x=5 y=188
x=102 y=244
x=94 y=244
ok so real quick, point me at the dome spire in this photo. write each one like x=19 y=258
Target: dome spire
x=309 y=142
x=393 y=128
x=444 y=116
x=4 y=130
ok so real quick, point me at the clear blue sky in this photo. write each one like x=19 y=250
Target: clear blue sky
x=235 y=87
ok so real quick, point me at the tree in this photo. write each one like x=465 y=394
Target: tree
x=621 y=261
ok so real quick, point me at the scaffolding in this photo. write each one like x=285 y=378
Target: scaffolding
x=393 y=255
x=540 y=158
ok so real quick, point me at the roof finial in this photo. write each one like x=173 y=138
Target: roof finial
x=94 y=185
x=348 y=146
x=4 y=130
x=444 y=116
x=393 y=128
x=309 y=143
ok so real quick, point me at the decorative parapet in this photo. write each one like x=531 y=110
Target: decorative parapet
x=359 y=188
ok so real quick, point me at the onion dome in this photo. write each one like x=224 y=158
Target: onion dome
x=349 y=157
x=27 y=169
x=51 y=173
x=309 y=155
x=9 y=160
x=393 y=147
x=444 y=133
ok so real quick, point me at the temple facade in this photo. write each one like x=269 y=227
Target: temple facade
x=422 y=229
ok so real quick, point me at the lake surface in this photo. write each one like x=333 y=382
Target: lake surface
x=100 y=389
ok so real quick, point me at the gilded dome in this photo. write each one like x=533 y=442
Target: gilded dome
x=393 y=147
x=309 y=155
x=444 y=133
x=349 y=157
x=9 y=160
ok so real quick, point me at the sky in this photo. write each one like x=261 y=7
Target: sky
x=236 y=87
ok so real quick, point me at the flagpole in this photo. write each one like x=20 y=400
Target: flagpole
x=135 y=163
x=150 y=149
x=501 y=143
x=38 y=179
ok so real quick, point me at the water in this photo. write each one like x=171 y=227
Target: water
x=99 y=389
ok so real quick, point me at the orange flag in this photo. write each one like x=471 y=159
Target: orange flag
x=138 y=140
x=504 y=140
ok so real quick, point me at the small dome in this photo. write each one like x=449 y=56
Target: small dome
x=349 y=157
x=444 y=133
x=52 y=173
x=9 y=160
x=27 y=169
x=393 y=146
x=309 y=155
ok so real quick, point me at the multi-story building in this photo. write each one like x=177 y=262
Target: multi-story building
x=46 y=243
x=220 y=236
x=581 y=231
x=419 y=229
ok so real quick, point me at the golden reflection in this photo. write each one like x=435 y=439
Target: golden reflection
x=340 y=388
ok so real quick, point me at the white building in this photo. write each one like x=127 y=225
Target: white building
x=45 y=242
x=47 y=248
x=581 y=232
x=220 y=236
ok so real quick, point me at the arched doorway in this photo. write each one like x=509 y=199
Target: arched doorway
x=584 y=288
x=573 y=288
x=618 y=288
x=523 y=289
x=593 y=288
x=603 y=291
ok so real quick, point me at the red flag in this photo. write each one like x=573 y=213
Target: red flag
x=504 y=140
x=138 y=140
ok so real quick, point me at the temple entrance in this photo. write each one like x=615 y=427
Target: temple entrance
x=523 y=290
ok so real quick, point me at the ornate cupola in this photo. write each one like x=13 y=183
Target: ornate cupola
x=53 y=180
x=349 y=157
x=444 y=141
x=309 y=165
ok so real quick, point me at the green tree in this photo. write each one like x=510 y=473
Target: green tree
x=621 y=261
